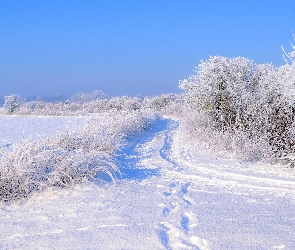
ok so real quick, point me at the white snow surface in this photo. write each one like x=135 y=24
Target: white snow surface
x=172 y=195
x=15 y=128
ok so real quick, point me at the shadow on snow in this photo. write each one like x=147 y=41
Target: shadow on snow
x=130 y=156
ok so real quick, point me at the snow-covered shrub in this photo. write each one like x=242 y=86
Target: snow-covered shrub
x=158 y=102
x=70 y=158
x=124 y=103
x=174 y=106
x=223 y=88
x=12 y=103
x=95 y=102
x=290 y=55
x=250 y=106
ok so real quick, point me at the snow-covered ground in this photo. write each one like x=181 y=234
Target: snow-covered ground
x=172 y=195
x=15 y=128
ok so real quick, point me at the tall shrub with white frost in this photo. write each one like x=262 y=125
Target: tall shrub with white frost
x=224 y=88
x=12 y=103
x=251 y=106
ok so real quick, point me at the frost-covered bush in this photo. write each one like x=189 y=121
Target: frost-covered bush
x=70 y=158
x=220 y=86
x=12 y=103
x=157 y=103
x=124 y=103
x=250 y=106
x=290 y=55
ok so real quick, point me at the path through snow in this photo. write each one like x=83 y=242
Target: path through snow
x=171 y=195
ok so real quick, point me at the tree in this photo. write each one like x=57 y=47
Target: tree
x=12 y=103
x=290 y=55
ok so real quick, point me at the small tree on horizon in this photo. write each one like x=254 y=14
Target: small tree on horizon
x=12 y=103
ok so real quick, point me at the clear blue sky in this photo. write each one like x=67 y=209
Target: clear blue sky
x=131 y=47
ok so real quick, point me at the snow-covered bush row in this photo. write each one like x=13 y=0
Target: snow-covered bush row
x=32 y=101
x=65 y=159
x=84 y=107
x=251 y=107
x=166 y=104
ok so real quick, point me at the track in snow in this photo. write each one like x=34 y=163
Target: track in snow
x=150 y=156
x=214 y=202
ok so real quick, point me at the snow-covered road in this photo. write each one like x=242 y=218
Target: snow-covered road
x=172 y=195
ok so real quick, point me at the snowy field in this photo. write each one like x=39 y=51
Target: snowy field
x=172 y=195
x=15 y=128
